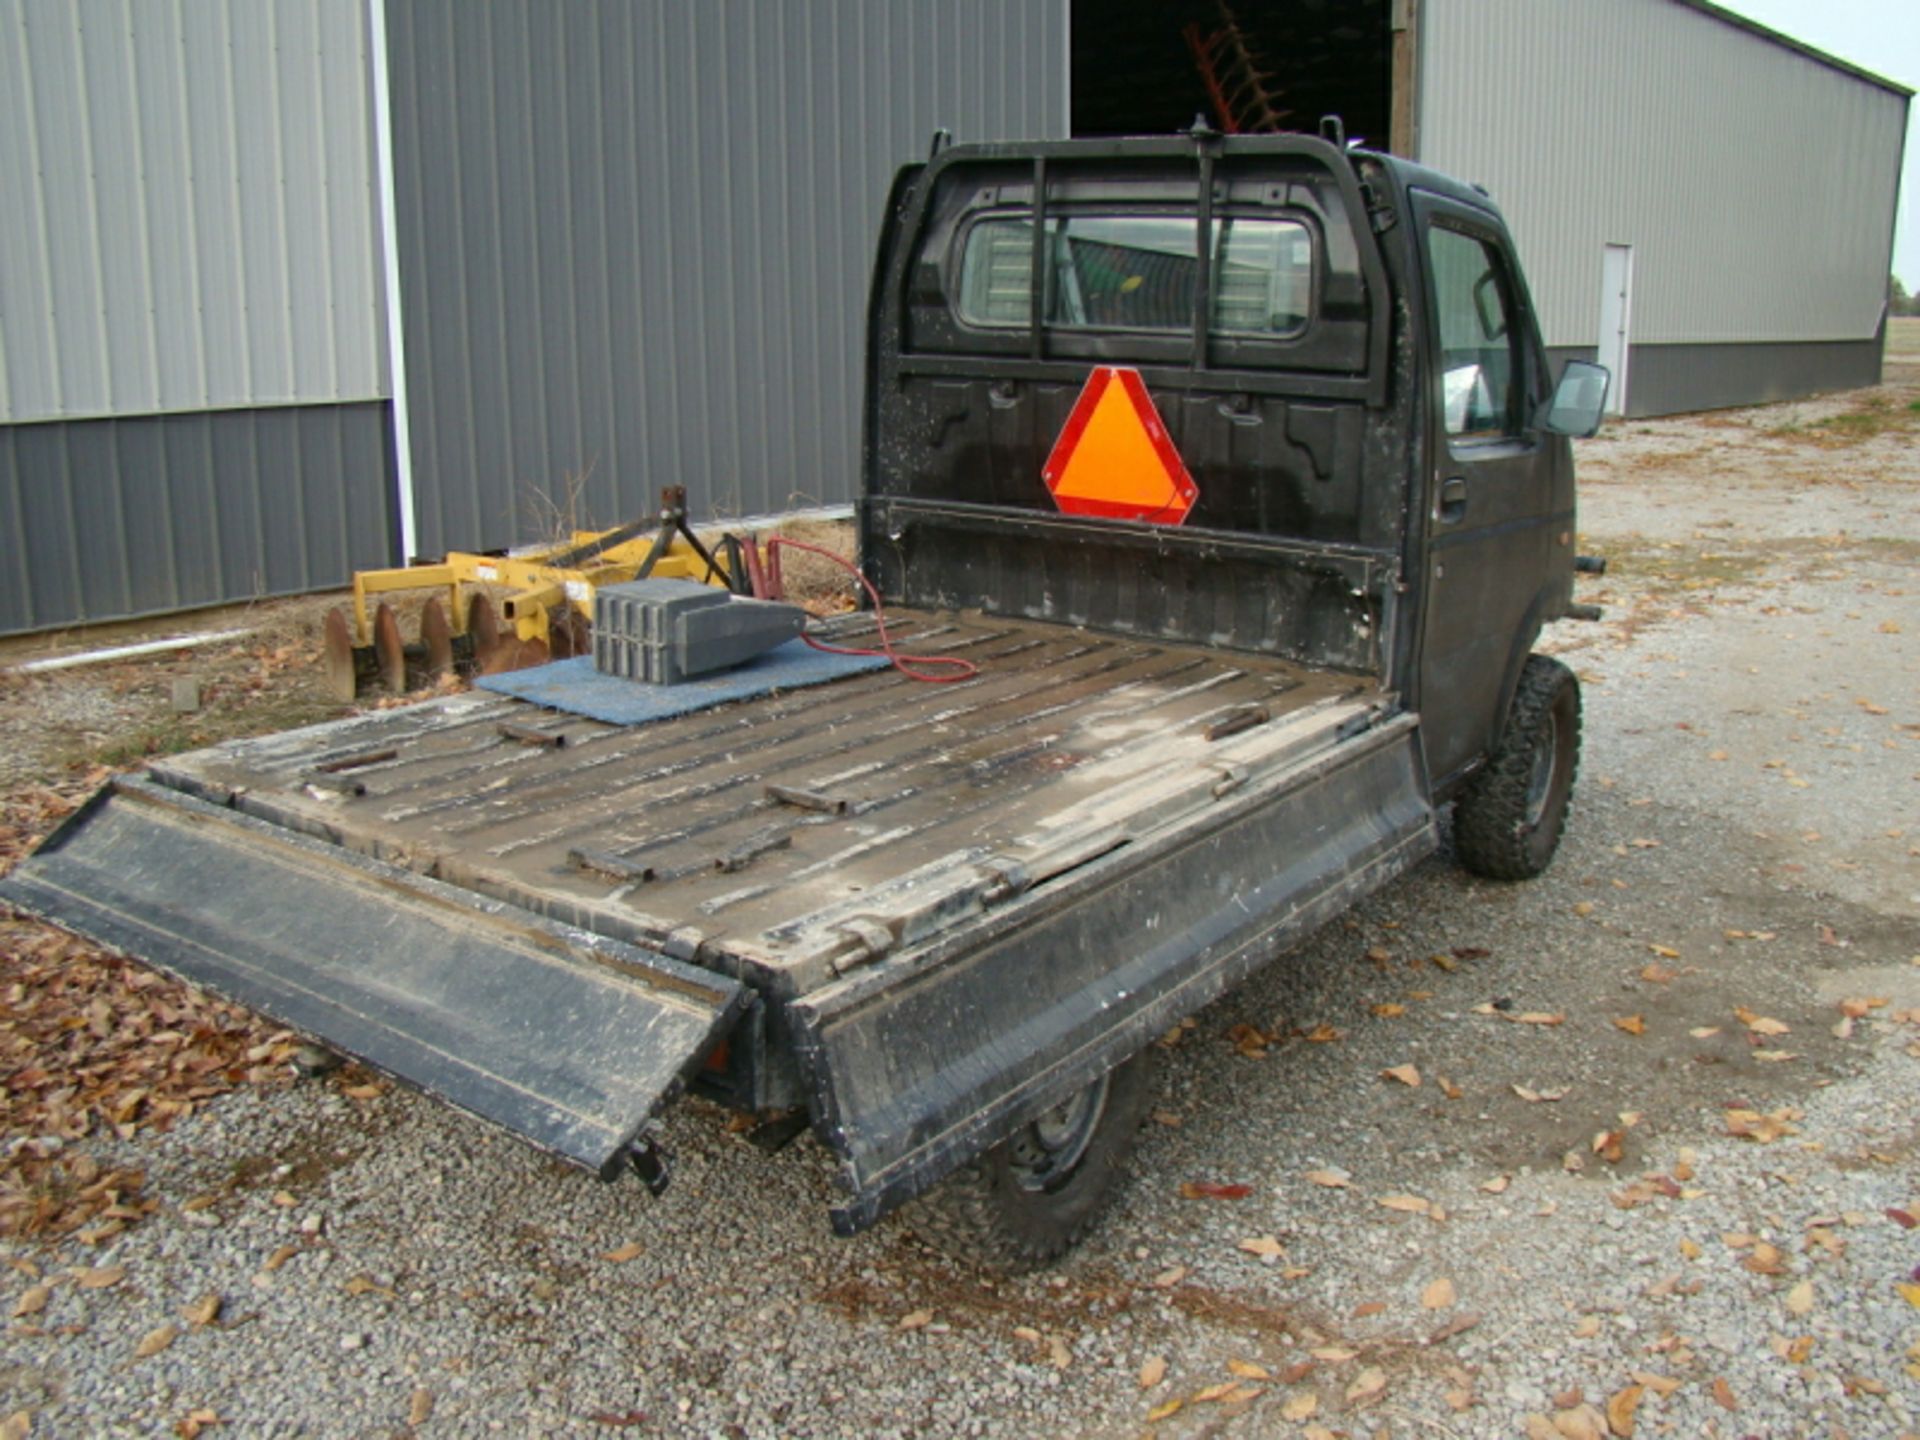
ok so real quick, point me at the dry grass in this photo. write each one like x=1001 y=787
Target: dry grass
x=1903 y=338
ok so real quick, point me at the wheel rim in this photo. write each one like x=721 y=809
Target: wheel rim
x=1546 y=749
x=1042 y=1156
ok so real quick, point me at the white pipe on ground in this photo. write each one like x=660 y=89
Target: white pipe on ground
x=127 y=652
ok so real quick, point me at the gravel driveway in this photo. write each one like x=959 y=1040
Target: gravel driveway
x=1655 y=1167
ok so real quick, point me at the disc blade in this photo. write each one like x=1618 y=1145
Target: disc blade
x=436 y=639
x=389 y=651
x=568 y=634
x=483 y=625
x=337 y=658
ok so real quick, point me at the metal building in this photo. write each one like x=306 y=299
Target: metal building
x=293 y=286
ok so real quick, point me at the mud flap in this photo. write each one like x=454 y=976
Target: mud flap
x=921 y=1062
x=567 y=1039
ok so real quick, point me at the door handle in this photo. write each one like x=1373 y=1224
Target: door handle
x=1453 y=501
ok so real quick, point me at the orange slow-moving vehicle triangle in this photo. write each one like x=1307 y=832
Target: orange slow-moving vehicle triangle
x=1114 y=458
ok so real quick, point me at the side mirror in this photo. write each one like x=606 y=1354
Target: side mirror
x=1579 y=400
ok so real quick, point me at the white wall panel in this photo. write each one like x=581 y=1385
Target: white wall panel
x=1755 y=183
x=189 y=214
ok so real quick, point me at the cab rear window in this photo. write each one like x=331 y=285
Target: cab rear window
x=1137 y=273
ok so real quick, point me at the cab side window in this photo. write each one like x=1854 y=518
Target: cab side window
x=1480 y=373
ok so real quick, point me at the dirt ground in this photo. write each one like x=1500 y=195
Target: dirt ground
x=1650 y=1119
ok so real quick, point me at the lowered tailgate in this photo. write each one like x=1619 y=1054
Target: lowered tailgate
x=568 y=1039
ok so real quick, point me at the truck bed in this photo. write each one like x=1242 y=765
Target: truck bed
x=797 y=834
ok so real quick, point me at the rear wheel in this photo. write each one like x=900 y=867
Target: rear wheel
x=1028 y=1200
x=1509 y=819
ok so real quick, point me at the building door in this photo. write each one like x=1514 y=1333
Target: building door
x=1616 y=311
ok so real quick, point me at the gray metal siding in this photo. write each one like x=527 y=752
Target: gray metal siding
x=1755 y=183
x=102 y=519
x=635 y=238
x=189 y=221
x=1675 y=379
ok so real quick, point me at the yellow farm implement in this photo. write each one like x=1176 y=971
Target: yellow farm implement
x=545 y=610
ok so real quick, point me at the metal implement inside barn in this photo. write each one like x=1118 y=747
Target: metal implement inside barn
x=941 y=923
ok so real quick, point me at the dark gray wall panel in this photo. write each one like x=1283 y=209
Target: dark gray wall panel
x=1675 y=379
x=634 y=238
x=105 y=519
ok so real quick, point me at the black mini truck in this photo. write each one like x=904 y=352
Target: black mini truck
x=943 y=924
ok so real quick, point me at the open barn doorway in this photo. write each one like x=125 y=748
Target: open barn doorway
x=1147 y=67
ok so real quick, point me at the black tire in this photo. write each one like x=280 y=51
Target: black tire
x=1030 y=1199
x=1508 y=821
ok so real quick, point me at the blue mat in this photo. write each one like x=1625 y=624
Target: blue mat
x=575 y=687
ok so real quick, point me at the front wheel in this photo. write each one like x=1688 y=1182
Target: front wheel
x=1028 y=1200
x=1508 y=821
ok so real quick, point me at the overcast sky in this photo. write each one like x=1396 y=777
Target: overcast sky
x=1878 y=35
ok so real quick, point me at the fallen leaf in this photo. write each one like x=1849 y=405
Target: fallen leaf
x=1448 y=1088
x=1210 y=1190
x=1058 y=1355
x=1902 y=1218
x=1439 y=1295
x=1300 y=1405
x=1723 y=1396
x=1800 y=1298
x=204 y=1311
x=279 y=1257
x=1459 y=1325
x=1369 y=1385
x=284 y=1199
x=420 y=1407
x=1759 y=1024
x=1620 y=1409
x=1690 y=1249
x=1535 y=1097
x=632 y=1250
x=1762 y=1129
x=1665 y=952
x=32 y=1300
x=1632 y=1024
x=1538 y=1017
x=1264 y=1245
x=1580 y=1422
x=1406 y=1204
x=1332 y=1179
x=1169 y=1277
x=1322 y=1034
x=1583 y=908
x=99 y=1279
x=1764 y=1259
x=362 y=1092
x=1166 y=1408
x=154 y=1342
x=1153 y=1372
x=1247 y=1370
x=367 y=1285
x=195 y=1421
x=1704 y=1032
x=1910 y=1292
x=1661 y=1385
x=1211 y=1393
x=17 y=1426
x=915 y=1319
x=1497 y=1185
x=1587 y=1328
x=1333 y=1354
x=1388 y=1010
x=1656 y=974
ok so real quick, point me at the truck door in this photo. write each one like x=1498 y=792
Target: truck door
x=1487 y=486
